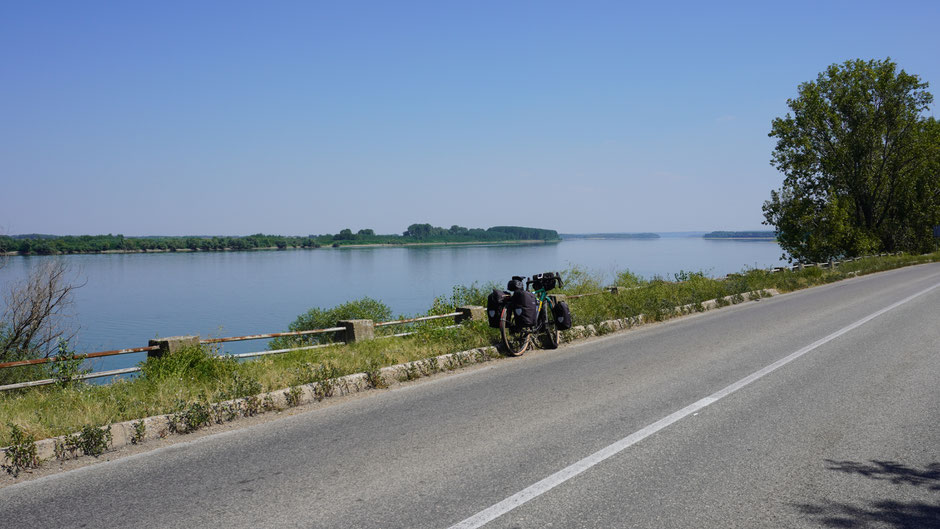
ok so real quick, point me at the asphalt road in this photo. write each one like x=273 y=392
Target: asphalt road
x=846 y=434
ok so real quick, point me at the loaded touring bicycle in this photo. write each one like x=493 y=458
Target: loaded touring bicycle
x=523 y=316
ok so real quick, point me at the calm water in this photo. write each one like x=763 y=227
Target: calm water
x=130 y=298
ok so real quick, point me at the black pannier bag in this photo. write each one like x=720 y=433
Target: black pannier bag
x=525 y=306
x=494 y=306
x=562 y=315
x=516 y=283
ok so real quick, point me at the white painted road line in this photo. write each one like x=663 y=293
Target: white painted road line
x=533 y=491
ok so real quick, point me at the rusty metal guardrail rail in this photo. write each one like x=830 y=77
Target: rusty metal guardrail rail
x=465 y=313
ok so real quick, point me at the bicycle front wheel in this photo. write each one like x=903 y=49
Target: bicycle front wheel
x=549 y=327
x=516 y=341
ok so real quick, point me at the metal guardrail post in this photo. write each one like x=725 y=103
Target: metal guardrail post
x=172 y=344
x=356 y=330
x=470 y=313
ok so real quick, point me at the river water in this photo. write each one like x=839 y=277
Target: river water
x=128 y=299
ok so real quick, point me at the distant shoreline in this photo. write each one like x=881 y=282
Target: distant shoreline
x=753 y=235
x=275 y=248
x=774 y=239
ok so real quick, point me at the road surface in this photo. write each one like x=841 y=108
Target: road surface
x=819 y=408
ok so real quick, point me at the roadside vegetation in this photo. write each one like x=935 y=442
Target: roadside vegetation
x=191 y=383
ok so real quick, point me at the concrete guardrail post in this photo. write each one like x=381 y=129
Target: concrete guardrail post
x=470 y=313
x=356 y=330
x=614 y=289
x=556 y=298
x=172 y=344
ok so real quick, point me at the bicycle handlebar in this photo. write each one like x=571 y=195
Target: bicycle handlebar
x=547 y=275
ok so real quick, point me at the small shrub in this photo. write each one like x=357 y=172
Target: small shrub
x=251 y=406
x=324 y=389
x=292 y=396
x=189 y=417
x=373 y=375
x=90 y=441
x=66 y=366
x=317 y=318
x=224 y=412
x=628 y=279
x=140 y=432
x=66 y=448
x=195 y=363
x=21 y=454
x=94 y=441
x=267 y=403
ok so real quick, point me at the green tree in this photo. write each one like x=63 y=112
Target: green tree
x=860 y=162
x=344 y=235
x=418 y=231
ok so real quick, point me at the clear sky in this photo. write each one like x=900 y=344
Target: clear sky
x=231 y=118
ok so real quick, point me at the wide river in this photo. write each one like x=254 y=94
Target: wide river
x=129 y=298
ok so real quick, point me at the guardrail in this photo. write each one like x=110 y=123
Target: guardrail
x=347 y=331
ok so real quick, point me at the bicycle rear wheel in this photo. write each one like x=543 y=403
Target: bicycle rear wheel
x=515 y=341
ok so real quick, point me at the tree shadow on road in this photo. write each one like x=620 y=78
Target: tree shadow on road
x=894 y=514
x=883 y=513
x=897 y=473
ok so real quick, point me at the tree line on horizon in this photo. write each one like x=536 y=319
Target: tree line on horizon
x=42 y=244
x=759 y=234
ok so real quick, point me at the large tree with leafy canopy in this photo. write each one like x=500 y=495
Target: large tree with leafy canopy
x=860 y=161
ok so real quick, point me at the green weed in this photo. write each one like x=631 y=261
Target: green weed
x=66 y=367
x=190 y=416
x=21 y=454
x=292 y=396
x=251 y=406
x=140 y=432
x=90 y=441
x=374 y=377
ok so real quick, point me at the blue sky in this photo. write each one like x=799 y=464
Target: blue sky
x=308 y=117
